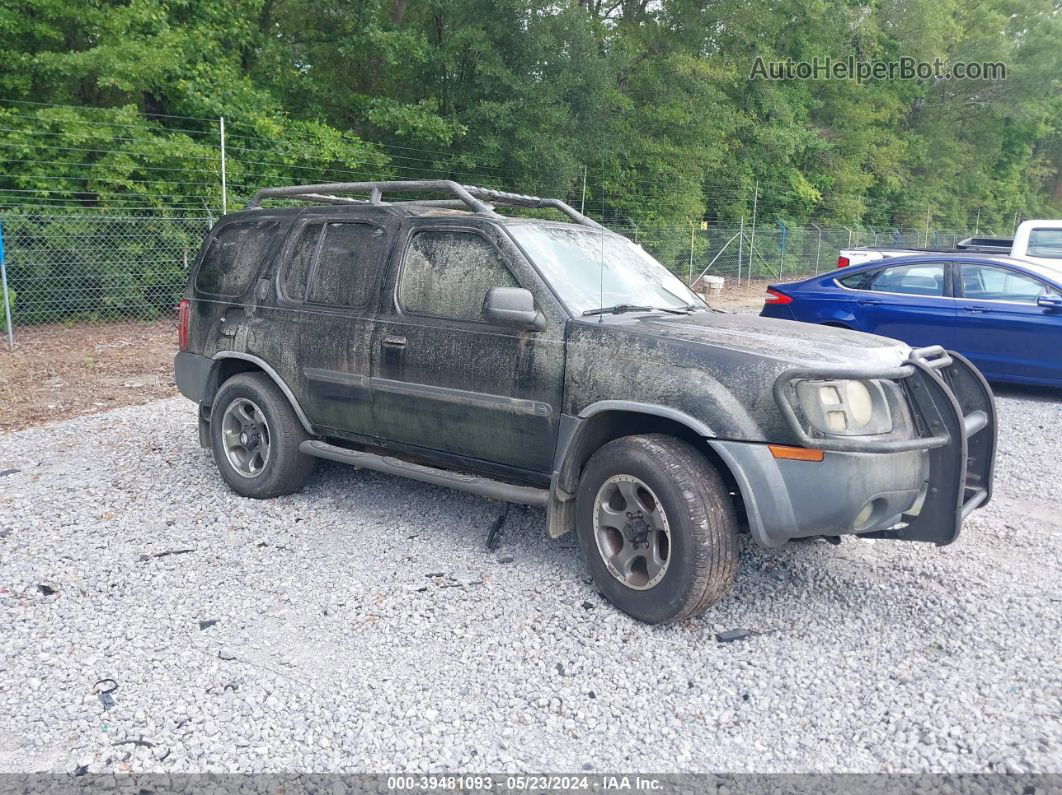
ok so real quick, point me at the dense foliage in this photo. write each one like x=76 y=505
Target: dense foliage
x=653 y=101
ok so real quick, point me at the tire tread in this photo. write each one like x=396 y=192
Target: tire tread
x=708 y=505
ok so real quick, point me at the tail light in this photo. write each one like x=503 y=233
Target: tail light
x=184 y=311
x=772 y=296
x=843 y=262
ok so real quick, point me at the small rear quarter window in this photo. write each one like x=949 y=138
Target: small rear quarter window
x=859 y=281
x=233 y=257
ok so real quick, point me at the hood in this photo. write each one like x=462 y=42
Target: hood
x=786 y=341
x=715 y=367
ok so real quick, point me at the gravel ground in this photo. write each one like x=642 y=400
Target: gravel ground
x=363 y=626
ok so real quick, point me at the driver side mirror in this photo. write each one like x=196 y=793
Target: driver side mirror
x=1050 y=301
x=513 y=306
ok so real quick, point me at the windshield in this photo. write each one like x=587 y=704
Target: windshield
x=571 y=257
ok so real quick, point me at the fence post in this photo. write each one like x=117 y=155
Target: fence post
x=752 y=237
x=818 y=249
x=781 y=258
x=582 y=204
x=7 y=300
x=224 y=197
x=741 y=246
x=689 y=280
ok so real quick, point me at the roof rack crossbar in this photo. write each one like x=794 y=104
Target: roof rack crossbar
x=519 y=200
x=325 y=199
x=469 y=196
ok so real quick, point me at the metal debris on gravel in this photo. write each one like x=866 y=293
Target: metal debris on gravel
x=879 y=656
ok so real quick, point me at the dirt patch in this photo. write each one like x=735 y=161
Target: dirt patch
x=61 y=371
x=743 y=298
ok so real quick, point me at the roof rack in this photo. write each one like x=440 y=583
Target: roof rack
x=478 y=200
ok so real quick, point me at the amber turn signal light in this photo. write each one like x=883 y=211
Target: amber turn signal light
x=795 y=453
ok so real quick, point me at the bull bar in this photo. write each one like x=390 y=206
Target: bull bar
x=955 y=423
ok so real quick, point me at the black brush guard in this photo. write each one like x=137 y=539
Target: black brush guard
x=956 y=419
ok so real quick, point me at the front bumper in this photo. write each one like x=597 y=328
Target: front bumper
x=916 y=489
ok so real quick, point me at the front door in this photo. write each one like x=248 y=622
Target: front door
x=445 y=379
x=1001 y=328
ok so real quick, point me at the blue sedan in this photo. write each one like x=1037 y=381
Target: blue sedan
x=1003 y=314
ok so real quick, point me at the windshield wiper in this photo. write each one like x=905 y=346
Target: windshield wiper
x=619 y=309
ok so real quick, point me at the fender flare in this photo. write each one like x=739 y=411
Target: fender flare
x=572 y=436
x=573 y=428
x=273 y=374
x=680 y=417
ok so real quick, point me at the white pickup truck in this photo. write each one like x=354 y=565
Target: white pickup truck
x=1035 y=241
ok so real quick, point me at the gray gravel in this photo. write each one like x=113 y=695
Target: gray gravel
x=363 y=626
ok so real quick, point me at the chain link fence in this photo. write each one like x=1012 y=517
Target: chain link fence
x=775 y=252
x=69 y=268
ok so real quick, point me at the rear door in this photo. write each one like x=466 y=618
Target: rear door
x=326 y=293
x=447 y=380
x=1001 y=328
x=910 y=302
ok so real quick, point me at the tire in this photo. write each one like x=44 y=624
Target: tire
x=270 y=465
x=689 y=560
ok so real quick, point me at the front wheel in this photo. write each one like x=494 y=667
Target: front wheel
x=657 y=527
x=255 y=437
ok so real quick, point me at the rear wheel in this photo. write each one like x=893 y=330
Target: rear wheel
x=657 y=527
x=255 y=437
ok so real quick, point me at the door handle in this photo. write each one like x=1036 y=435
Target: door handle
x=868 y=302
x=976 y=309
x=394 y=342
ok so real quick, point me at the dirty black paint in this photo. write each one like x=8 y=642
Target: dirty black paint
x=463 y=388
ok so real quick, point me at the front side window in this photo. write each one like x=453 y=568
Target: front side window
x=986 y=283
x=920 y=279
x=347 y=260
x=1045 y=243
x=591 y=269
x=234 y=256
x=447 y=274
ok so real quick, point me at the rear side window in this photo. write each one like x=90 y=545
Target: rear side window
x=921 y=279
x=347 y=261
x=447 y=274
x=298 y=266
x=234 y=256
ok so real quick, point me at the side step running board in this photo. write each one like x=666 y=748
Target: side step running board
x=473 y=484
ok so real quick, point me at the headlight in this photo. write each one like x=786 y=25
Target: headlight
x=845 y=407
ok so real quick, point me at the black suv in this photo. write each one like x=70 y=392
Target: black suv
x=557 y=364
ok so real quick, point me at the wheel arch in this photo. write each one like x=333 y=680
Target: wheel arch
x=601 y=423
x=230 y=363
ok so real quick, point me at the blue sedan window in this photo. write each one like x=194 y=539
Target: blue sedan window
x=920 y=279
x=985 y=283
